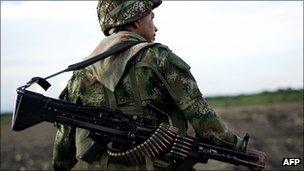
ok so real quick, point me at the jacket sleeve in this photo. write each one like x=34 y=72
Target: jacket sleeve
x=64 y=151
x=205 y=121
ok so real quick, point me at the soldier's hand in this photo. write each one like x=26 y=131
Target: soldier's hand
x=262 y=159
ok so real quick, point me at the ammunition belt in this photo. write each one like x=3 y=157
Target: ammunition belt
x=165 y=140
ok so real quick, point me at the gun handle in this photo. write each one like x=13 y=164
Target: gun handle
x=95 y=148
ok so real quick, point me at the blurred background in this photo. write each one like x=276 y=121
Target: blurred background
x=247 y=58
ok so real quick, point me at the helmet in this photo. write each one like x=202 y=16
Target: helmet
x=113 y=13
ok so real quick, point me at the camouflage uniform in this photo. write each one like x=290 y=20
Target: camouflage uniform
x=161 y=79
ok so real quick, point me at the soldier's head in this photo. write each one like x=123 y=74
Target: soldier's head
x=135 y=16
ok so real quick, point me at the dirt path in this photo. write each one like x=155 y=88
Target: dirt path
x=274 y=128
x=30 y=149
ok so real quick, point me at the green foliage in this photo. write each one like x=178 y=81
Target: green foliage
x=6 y=117
x=281 y=95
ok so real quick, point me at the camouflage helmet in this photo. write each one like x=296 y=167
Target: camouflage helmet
x=113 y=13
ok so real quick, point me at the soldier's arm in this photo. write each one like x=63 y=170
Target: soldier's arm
x=206 y=123
x=64 y=151
x=78 y=90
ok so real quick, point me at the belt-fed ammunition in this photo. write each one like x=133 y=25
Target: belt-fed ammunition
x=159 y=141
x=163 y=139
x=150 y=149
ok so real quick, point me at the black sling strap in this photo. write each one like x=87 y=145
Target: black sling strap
x=120 y=47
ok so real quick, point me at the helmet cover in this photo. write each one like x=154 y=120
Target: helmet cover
x=113 y=13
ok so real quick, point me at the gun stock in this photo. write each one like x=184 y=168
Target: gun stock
x=24 y=115
x=33 y=108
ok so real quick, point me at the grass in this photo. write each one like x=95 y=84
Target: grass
x=287 y=95
x=6 y=117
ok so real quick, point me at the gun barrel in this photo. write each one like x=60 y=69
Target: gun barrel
x=229 y=156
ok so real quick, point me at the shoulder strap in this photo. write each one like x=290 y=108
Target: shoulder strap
x=110 y=97
x=114 y=49
x=135 y=85
x=135 y=90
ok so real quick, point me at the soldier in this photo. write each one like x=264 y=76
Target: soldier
x=130 y=82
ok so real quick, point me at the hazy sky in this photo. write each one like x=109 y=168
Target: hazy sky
x=232 y=47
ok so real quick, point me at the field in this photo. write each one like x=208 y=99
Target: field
x=276 y=128
x=265 y=97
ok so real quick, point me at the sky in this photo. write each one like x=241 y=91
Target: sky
x=235 y=47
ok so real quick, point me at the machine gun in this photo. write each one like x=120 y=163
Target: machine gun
x=108 y=125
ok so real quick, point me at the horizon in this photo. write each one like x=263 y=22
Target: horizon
x=221 y=96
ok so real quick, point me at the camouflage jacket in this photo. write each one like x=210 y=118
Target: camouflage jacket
x=178 y=95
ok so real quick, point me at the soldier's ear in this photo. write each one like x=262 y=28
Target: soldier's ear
x=137 y=24
x=132 y=26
